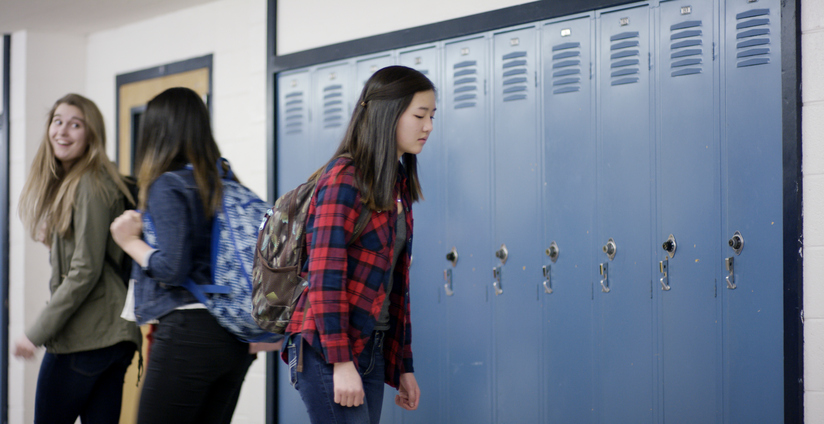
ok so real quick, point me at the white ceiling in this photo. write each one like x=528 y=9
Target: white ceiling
x=82 y=16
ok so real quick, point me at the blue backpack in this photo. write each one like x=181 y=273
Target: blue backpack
x=234 y=235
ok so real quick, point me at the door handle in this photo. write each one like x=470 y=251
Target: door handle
x=664 y=267
x=547 y=279
x=447 y=275
x=496 y=274
x=605 y=281
x=728 y=263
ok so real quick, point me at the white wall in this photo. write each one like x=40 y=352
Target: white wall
x=812 y=136
x=44 y=68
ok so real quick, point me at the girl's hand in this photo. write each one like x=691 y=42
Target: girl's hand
x=348 y=384
x=24 y=348
x=409 y=394
x=127 y=227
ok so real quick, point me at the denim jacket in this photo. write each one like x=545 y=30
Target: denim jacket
x=184 y=236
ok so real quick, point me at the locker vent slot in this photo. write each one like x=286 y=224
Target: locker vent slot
x=514 y=76
x=566 y=68
x=625 y=58
x=753 y=35
x=333 y=106
x=293 y=113
x=686 y=48
x=465 y=92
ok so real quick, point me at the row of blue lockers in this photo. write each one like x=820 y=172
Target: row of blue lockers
x=601 y=236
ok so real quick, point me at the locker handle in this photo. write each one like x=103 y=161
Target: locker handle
x=547 y=279
x=728 y=263
x=496 y=274
x=447 y=275
x=664 y=267
x=605 y=281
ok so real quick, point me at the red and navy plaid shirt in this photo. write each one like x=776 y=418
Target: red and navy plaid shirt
x=347 y=284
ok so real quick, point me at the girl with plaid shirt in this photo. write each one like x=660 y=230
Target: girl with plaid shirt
x=352 y=326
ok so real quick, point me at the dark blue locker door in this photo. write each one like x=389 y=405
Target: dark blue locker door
x=568 y=216
x=689 y=210
x=517 y=192
x=332 y=102
x=752 y=202
x=426 y=275
x=368 y=66
x=624 y=219
x=468 y=324
x=294 y=165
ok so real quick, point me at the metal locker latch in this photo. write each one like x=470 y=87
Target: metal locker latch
x=553 y=251
x=664 y=267
x=730 y=278
x=605 y=281
x=496 y=274
x=452 y=256
x=447 y=275
x=547 y=279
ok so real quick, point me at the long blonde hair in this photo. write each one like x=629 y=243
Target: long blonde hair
x=49 y=193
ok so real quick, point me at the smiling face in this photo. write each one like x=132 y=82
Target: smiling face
x=415 y=123
x=67 y=135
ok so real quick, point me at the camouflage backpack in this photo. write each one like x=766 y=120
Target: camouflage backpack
x=277 y=283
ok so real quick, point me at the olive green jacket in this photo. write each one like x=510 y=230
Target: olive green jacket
x=87 y=294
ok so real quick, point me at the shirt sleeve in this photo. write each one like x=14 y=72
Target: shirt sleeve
x=170 y=262
x=334 y=222
x=90 y=228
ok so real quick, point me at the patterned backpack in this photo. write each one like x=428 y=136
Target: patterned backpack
x=280 y=256
x=234 y=233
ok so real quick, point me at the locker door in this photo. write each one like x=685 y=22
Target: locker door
x=752 y=203
x=624 y=219
x=295 y=164
x=689 y=210
x=517 y=226
x=332 y=102
x=469 y=337
x=368 y=66
x=293 y=130
x=426 y=274
x=569 y=208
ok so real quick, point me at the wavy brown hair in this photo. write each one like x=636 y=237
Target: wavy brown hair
x=175 y=131
x=371 y=138
x=50 y=191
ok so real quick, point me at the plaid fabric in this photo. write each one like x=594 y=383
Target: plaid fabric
x=347 y=285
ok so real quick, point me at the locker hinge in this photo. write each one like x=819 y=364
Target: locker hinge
x=590 y=70
x=650 y=289
x=714 y=50
x=649 y=58
x=536 y=78
x=715 y=287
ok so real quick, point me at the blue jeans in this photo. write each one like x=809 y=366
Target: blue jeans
x=316 y=386
x=195 y=371
x=86 y=384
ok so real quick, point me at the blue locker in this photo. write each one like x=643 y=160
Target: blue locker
x=294 y=140
x=568 y=217
x=468 y=324
x=517 y=206
x=624 y=204
x=295 y=164
x=366 y=67
x=426 y=275
x=689 y=212
x=752 y=206
x=333 y=96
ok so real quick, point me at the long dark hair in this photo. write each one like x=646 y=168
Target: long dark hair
x=175 y=131
x=371 y=138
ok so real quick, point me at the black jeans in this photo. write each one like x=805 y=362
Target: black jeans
x=86 y=384
x=195 y=371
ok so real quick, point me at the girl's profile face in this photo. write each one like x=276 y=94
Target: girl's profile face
x=67 y=135
x=415 y=123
